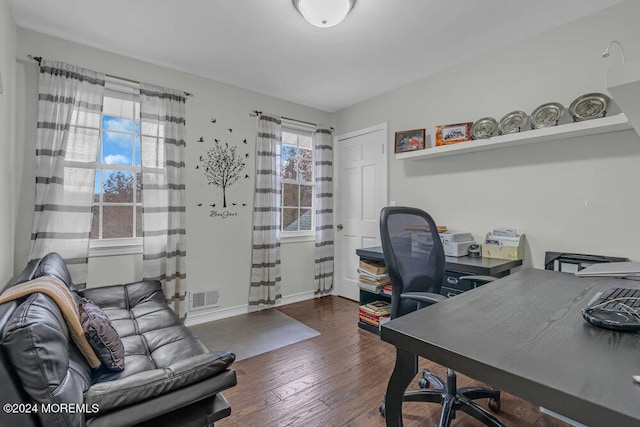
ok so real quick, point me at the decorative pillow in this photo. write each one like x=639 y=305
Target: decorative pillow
x=101 y=335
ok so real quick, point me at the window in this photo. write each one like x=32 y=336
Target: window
x=117 y=204
x=298 y=187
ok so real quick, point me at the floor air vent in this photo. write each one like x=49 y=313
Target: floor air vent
x=203 y=299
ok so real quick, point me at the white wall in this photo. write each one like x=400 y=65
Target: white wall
x=7 y=140
x=580 y=195
x=218 y=250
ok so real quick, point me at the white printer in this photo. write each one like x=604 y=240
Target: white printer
x=455 y=244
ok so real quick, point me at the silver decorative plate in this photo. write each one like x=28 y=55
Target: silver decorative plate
x=483 y=128
x=589 y=106
x=513 y=122
x=547 y=115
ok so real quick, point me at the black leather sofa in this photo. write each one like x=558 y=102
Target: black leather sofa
x=170 y=377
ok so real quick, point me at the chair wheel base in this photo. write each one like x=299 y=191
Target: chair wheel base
x=423 y=383
x=494 y=405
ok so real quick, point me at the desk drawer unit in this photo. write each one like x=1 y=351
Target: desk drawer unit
x=452 y=285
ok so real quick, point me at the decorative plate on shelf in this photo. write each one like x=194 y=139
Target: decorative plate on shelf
x=513 y=122
x=547 y=115
x=483 y=128
x=589 y=106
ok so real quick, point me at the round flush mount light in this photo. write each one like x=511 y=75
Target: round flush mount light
x=324 y=13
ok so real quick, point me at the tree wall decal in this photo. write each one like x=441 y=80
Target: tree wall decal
x=222 y=167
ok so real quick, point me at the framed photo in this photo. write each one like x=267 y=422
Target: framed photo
x=410 y=140
x=452 y=134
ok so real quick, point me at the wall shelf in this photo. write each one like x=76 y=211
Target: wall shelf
x=615 y=123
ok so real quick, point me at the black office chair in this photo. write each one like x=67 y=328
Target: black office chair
x=415 y=262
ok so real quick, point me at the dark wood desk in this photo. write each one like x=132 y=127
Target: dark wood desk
x=524 y=334
x=480 y=266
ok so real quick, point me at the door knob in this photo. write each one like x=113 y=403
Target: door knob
x=339 y=226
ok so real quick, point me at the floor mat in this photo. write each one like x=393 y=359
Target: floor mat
x=251 y=334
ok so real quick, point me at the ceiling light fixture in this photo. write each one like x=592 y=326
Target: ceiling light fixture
x=606 y=52
x=324 y=13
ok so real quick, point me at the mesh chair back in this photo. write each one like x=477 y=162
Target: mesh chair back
x=413 y=254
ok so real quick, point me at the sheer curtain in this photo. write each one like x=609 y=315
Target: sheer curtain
x=323 y=155
x=265 y=254
x=68 y=134
x=162 y=129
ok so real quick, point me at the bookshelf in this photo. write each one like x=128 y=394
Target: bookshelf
x=454 y=268
x=375 y=294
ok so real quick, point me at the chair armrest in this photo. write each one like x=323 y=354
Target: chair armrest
x=423 y=298
x=479 y=279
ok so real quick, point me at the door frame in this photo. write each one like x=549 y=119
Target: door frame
x=337 y=139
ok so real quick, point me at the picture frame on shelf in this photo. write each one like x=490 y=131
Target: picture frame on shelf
x=410 y=140
x=453 y=134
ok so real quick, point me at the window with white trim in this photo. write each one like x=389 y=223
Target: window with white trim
x=298 y=184
x=117 y=204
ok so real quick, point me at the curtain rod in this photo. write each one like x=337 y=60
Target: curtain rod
x=39 y=59
x=255 y=113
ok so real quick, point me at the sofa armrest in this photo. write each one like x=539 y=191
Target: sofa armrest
x=35 y=341
x=148 y=384
x=159 y=409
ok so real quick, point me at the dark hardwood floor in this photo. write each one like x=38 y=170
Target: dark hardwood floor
x=338 y=379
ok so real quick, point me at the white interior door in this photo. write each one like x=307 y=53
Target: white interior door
x=360 y=193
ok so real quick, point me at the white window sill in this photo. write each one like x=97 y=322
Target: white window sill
x=114 y=247
x=297 y=238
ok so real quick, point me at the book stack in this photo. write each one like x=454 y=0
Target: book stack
x=372 y=276
x=375 y=313
x=386 y=290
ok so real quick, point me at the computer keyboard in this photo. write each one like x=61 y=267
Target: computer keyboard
x=617 y=309
x=631 y=298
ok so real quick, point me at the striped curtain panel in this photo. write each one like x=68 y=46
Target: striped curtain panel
x=68 y=136
x=265 y=254
x=323 y=155
x=162 y=130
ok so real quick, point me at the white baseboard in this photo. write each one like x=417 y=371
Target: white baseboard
x=196 y=318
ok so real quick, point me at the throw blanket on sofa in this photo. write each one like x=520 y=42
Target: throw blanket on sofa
x=60 y=294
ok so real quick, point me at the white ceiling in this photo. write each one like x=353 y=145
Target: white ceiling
x=267 y=47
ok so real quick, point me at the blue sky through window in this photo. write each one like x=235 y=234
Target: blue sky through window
x=117 y=192
x=120 y=145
